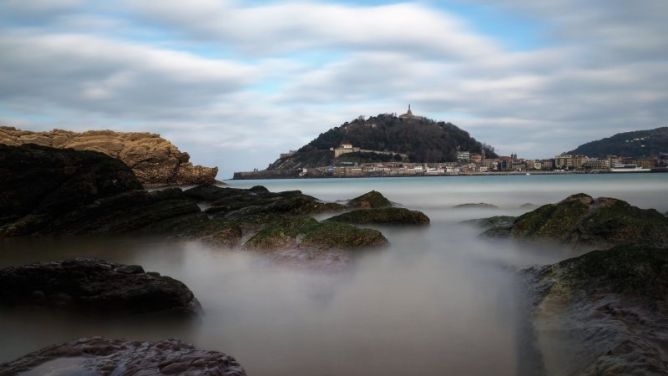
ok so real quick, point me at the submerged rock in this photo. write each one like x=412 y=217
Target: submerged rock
x=154 y=160
x=95 y=286
x=370 y=200
x=102 y=356
x=382 y=216
x=479 y=205
x=581 y=220
x=307 y=233
x=609 y=306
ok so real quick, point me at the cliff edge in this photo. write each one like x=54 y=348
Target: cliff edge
x=154 y=160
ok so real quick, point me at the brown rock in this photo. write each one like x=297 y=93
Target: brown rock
x=154 y=160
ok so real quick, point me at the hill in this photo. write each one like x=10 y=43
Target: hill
x=385 y=138
x=636 y=144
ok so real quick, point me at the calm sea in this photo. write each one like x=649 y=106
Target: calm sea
x=438 y=301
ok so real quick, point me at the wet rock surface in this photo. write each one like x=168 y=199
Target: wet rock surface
x=102 y=356
x=370 y=200
x=94 y=286
x=154 y=160
x=609 y=309
x=305 y=232
x=582 y=221
x=382 y=216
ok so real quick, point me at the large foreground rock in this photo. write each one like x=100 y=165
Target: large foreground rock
x=604 y=312
x=44 y=182
x=102 y=356
x=583 y=221
x=94 y=286
x=154 y=160
x=382 y=216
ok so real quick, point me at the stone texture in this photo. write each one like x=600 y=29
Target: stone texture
x=94 y=286
x=382 y=216
x=154 y=160
x=582 y=221
x=107 y=357
x=610 y=307
x=370 y=200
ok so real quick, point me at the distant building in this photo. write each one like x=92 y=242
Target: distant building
x=476 y=158
x=345 y=148
x=463 y=156
x=408 y=114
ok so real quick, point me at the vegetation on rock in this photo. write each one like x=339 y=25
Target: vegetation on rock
x=581 y=220
x=382 y=216
x=373 y=199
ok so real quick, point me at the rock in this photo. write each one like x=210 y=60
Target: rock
x=236 y=204
x=154 y=160
x=382 y=216
x=44 y=182
x=370 y=200
x=480 y=205
x=495 y=227
x=581 y=220
x=102 y=356
x=307 y=233
x=609 y=306
x=94 y=286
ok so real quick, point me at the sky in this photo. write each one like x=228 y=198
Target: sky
x=234 y=83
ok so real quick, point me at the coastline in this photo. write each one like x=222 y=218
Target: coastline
x=261 y=176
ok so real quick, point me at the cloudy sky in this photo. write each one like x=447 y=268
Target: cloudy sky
x=235 y=83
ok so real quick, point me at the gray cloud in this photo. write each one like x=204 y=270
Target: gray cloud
x=236 y=84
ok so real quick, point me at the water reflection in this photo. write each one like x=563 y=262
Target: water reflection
x=438 y=301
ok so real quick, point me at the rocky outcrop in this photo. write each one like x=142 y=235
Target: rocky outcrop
x=307 y=233
x=583 y=221
x=370 y=200
x=606 y=310
x=42 y=183
x=102 y=356
x=154 y=160
x=382 y=216
x=94 y=286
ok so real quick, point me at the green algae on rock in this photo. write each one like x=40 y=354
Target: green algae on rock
x=307 y=233
x=581 y=220
x=370 y=200
x=382 y=216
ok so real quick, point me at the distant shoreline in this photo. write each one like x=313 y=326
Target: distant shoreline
x=509 y=173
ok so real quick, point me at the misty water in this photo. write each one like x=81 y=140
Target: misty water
x=437 y=301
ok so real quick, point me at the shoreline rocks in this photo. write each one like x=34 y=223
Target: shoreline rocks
x=582 y=221
x=154 y=160
x=94 y=286
x=382 y=216
x=609 y=307
x=103 y=356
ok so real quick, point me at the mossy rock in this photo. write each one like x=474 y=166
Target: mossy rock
x=636 y=271
x=307 y=233
x=582 y=220
x=382 y=216
x=370 y=200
